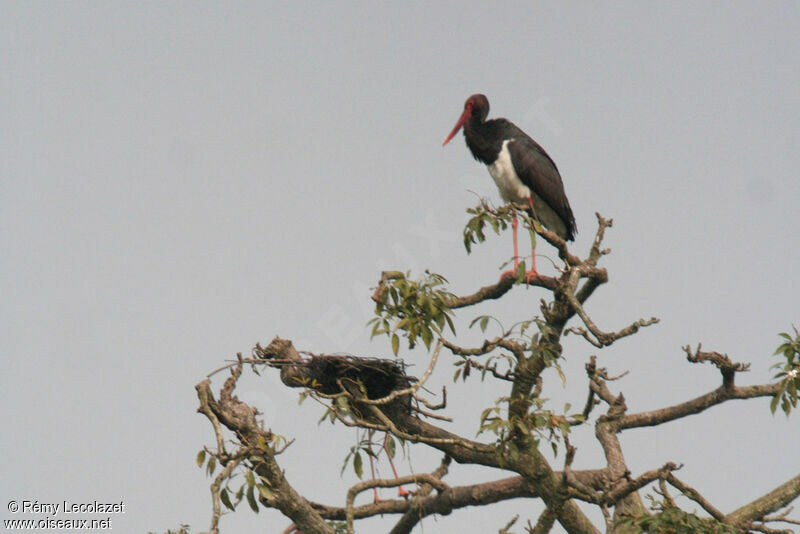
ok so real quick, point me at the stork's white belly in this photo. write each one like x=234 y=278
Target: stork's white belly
x=502 y=170
x=513 y=190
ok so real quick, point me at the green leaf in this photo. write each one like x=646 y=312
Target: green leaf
x=427 y=336
x=561 y=376
x=251 y=499
x=439 y=319
x=201 y=457
x=521 y=271
x=264 y=491
x=484 y=323
x=532 y=233
x=773 y=404
x=226 y=500
x=390 y=446
x=450 y=323
x=395 y=344
x=251 y=479
x=358 y=465
x=346 y=460
x=211 y=466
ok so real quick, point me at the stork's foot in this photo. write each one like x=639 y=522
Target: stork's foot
x=530 y=276
x=401 y=492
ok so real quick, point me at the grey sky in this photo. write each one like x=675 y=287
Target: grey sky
x=181 y=180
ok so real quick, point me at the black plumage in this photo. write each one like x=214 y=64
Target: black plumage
x=533 y=169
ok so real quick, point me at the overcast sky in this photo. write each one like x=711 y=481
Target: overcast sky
x=182 y=180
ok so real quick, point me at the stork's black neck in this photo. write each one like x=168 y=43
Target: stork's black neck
x=485 y=138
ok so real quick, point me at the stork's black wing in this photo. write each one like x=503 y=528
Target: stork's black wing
x=538 y=171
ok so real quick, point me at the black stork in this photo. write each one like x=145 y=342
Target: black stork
x=522 y=170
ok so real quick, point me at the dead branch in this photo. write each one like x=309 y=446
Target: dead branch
x=629 y=486
x=695 y=495
x=217 y=484
x=781 y=518
x=544 y=523
x=721 y=361
x=240 y=418
x=601 y=339
x=766 y=504
x=760 y=527
x=487 y=347
x=426 y=478
x=696 y=405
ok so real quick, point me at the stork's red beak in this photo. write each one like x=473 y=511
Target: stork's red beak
x=461 y=121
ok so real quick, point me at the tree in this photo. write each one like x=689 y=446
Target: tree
x=378 y=396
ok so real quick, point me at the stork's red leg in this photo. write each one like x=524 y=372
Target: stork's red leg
x=372 y=469
x=532 y=273
x=514 y=225
x=401 y=491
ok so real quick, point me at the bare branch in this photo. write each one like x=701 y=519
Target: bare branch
x=584 y=491
x=240 y=418
x=426 y=478
x=545 y=522
x=695 y=495
x=772 y=501
x=721 y=361
x=416 y=438
x=781 y=518
x=760 y=527
x=696 y=405
x=217 y=484
x=601 y=339
x=490 y=292
x=442 y=405
x=629 y=486
x=462 y=496
x=596 y=252
x=206 y=410
x=664 y=492
x=487 y=347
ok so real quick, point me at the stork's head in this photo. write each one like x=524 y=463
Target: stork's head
x=476 y=106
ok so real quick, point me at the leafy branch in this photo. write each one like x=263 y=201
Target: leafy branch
x=416 y=308
x=788 y=374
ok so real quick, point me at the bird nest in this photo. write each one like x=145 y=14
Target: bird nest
x=378 y=377
x=332 y=374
